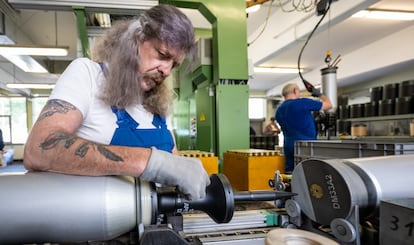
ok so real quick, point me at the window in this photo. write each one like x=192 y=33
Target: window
x=37 y=105
x=15 y=127
x=13 y=117
x=257 y=108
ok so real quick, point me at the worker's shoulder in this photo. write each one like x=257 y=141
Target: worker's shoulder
x=83 y=61
x=82 y=65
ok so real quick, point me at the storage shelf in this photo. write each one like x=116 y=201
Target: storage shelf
x=380 y=118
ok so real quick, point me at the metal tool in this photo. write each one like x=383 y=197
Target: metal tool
x=40 y=207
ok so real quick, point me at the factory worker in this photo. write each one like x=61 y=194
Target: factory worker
x=271 y=128
x=294 y=116
x=110 y=115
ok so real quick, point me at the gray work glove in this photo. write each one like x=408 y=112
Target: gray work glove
x=186 y=173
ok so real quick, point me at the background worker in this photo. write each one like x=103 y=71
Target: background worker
x=294 y=116
x=110 y=115
x=271 y=128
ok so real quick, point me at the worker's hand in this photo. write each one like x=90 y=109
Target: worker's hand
x=186 y=173
x=316 y=92
x=311 y=89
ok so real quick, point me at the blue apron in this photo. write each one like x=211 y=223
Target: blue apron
x=127 y=133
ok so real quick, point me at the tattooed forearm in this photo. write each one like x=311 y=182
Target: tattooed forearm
x=109 y=154
x=68 y=140
x=56 y=106
x=82 y=150
x=53 y=139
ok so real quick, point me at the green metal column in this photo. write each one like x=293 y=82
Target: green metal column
x=83 y=33
x=232 y=122
x=228 y=18
x=205 y=108
x=230 y=72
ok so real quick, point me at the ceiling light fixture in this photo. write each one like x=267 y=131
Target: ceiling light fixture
x=254 y=5
x=384 y=14
x=253 y=8
x=30 y=85
x=276 y=70
x=20 y=55
x=26 y=63
x=33 y=50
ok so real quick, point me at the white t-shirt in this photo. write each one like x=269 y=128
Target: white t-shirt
x=80 y=85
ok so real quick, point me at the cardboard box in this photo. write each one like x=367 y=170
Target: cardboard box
x=252 y=169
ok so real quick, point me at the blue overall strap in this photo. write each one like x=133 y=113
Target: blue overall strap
x=123 y=119
x=159 y=121
x=127 y=133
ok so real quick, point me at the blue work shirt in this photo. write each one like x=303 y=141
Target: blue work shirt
x=297 y=123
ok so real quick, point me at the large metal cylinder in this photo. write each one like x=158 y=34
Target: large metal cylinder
x=329 y=86
x=329 y=189
x=46 y=207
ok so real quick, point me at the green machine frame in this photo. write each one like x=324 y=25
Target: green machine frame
x=222 y=97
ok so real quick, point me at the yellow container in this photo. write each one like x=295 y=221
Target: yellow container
x=209 y=161
x=252 y=169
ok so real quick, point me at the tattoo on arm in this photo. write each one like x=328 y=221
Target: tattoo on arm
x=56 y=106
x=109 y=154
x=56 y=137
x=53 y=139
x=82 y=150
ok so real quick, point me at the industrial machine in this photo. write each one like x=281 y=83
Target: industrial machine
x=340 y=198
x=40 y=207
x=337 y=199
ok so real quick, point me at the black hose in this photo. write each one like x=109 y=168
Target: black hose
x=306 y=83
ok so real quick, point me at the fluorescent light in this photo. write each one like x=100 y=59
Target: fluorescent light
x=253 y=8
x=275 y=70
x=31 y=85
x=384 y=15
x=26 y=63
x=33 y=50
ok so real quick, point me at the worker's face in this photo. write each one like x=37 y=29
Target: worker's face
x=156 y=62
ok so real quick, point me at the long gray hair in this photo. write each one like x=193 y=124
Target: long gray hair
x=119 y=50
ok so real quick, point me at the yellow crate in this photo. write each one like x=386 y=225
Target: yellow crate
x=209 y=161
x=210 y=164
x=247 y=171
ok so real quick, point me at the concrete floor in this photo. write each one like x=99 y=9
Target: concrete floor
x=14 y=167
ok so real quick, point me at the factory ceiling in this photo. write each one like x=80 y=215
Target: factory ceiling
x=276 y=34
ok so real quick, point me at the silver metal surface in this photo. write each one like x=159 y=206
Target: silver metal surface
x=330 y=189
x=40 y=207
x=329 y=86
x=201 y=222
x=240 y=237
x=343 y=230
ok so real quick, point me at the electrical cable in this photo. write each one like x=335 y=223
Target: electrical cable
x=306 y=83
x=298 y=5
x=265 y=24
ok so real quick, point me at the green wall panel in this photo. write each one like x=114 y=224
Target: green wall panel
x=205 y=119
x=181 y=119
x=232 y=117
